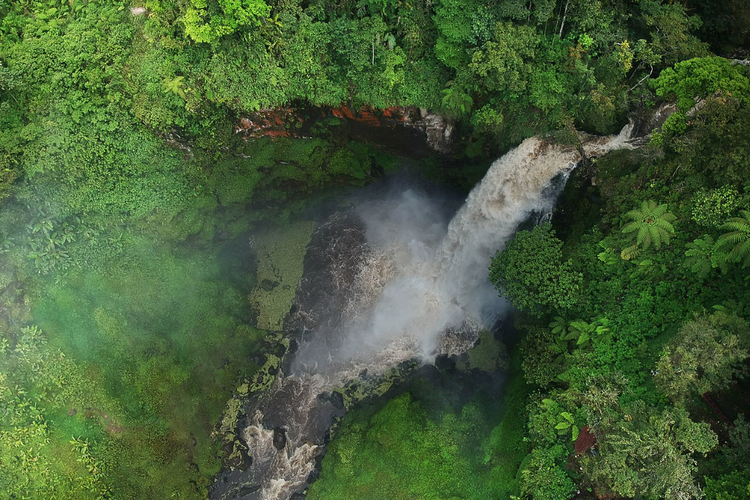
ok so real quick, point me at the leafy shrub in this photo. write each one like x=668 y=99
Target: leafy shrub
x=711 y=208
x=530 y=272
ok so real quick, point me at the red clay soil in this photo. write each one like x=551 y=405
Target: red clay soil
x=585 y=441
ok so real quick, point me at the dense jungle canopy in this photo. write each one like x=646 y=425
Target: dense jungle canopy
x=132 y=315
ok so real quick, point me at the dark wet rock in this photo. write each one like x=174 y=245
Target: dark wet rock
x=298 y=496
x=268 y=285
x=314 y=475
x=653 y=119
x=293 y=346
x=333 y=258
x=294 y=411
x=311 y=423
x=445 y=362
x=337 y=399
x=279 y=438
x=229 y=484
x=247 y=490
x=236 y=455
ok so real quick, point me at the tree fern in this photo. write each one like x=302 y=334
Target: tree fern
x=735 y=244
x=650 y=224
x=702 y=257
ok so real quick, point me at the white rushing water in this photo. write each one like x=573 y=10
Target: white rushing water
x=437 y=279
x=423 y=285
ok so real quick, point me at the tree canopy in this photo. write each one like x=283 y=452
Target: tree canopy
x=531 y=272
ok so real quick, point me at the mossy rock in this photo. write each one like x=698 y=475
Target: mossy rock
x=357 y=391
x=280 y=263
x=489 y=354
x=266 y=375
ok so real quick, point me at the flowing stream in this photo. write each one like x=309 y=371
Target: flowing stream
x=416 y=288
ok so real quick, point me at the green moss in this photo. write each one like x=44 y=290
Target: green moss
x=403 y=451
x=280 y=255
x=488 y=354
x=266 y=375
x=506 y=446
x=230 y=418
x=357 y=391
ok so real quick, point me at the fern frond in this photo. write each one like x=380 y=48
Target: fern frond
x=655 y=236
x=630 y=227
x=731 y=238
x=736 y=224
x=634 y=214
x=740 y=250
x=659 y=211
x=630 y=252
x=664 y=225
x=643 y=236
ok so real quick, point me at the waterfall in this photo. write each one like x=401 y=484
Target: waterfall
x=420 y=289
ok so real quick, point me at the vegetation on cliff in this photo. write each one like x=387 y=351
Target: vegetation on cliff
x=124 y=313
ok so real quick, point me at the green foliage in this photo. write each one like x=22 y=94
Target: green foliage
x=532 y=274
x=705 y=356
x=711 y=208
x=699 y=78
x=488 y=119
x=37 y=384
x=453 y=20
x=726 y=23
x=616 y=382
x=735 y=243
x=458 y=103
x=648 y=453
x=702 y=257
x=732 y=486
x=670 y=30
x=583 y=332
x=503 y=62
x=170 y=326
x=116 y=143
x=544 y=477
x=543 y=355
x=550 y=422
x=651 y=223
x=401 y=451
x=209 y=20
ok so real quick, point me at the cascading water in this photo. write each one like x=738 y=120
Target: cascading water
x=419 y=288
